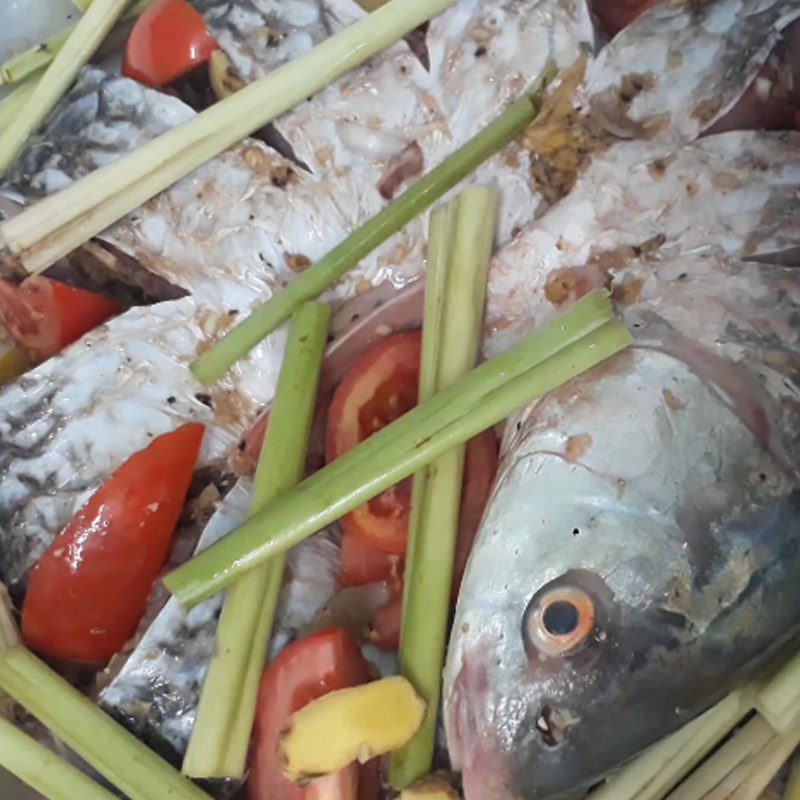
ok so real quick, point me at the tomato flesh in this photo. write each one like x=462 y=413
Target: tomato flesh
x=359 y=563
x=43 y=316
x=303 y=671
x=380 y=387
x=168 y=41
x=88 y=591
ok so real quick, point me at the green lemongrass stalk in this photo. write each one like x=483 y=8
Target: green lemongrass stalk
x=12 y=104
x=25 y=64
x=81 y=5
x=41 y=769
x=104 y=744
x=219 y=743
x=62 y=222
x=779 y=700
x=746 y=742
x=36 y=58
x=436 y=497
x=661 y=767
x=264 y=319
x=347 y=483
x=792 y=791
x=86 y=37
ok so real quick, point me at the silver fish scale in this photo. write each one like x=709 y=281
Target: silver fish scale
x=157 y=688
x=679 y=67
x=228 y=234
x=259 y=35
x=732 y=193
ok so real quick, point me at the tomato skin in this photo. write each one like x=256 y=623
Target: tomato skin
x=43 y=316
x=88 y=591
x=168 y=40
x=304 y=670
x=380 y=387
x=359 y=563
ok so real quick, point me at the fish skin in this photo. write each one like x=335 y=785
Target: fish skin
x=156 y=690
x=199 y=236
x=664 y=483
x=637 y=86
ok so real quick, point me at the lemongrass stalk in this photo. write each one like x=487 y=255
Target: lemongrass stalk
x=661 y=767
x=13 y=363
x=44 y=771
x=104 y=744
x=440 y=244
x=744 y=743
x=434 y=520
x=12 y=104
x=779 y=700
x=24 y=64
x=60 y=223
x=36 y=58
x=416 y=427
x=9 y=637
x=347 y=483
x=86 y=37
x=219 y=742
x=81 y=5
x=264 y=319
x=792 y=791
x=770 y=761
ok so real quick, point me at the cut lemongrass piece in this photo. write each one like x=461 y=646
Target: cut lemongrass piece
x=41 y=769
x=221 y=735
x=661 y=767
x=348 y=482
x=58 y=224
x=81 y=5
x=9 y=637
x=13 y=363
x=74 y=53
x=749 y=740
x=100 y=741
x=779 y=700
x=264 y=319
x=792 y=791
x=456 y=332
x=11 y=105
x=36 y=58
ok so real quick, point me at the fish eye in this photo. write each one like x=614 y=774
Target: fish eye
x=559 y=621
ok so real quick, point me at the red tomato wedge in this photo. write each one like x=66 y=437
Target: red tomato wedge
x=305 y=670
x=168 y=40
x=614 y=15
x=88 y=591
x=43 y=316
x=380 y=387
x=359 y=563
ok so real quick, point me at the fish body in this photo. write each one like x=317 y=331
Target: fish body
x=648 y=511
x=230 y=235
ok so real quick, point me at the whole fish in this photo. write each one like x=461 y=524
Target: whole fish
x=230 y=235
x=647 y=514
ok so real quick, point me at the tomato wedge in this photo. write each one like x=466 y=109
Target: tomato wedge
x=168 y=41
x=43 y=316
x=88 y=591
x=380 y=387
x=304 y=670
x=359 y=563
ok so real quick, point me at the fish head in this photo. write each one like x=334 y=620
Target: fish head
x=638 y=558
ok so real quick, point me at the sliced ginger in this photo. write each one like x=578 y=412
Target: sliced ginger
x=354 y=724
x=433 y=787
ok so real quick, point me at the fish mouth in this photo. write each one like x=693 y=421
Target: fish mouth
x=473 y=749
